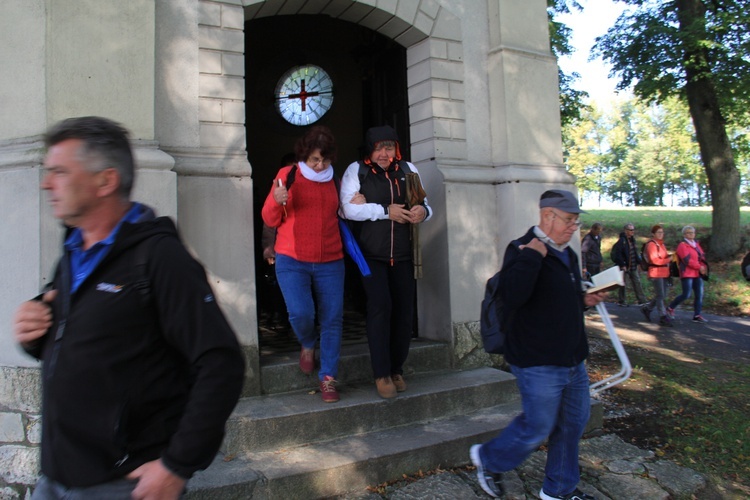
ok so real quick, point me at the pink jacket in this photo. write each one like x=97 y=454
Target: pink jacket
x=691 y=259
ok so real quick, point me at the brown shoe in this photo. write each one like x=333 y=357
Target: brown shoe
x=385 y=386
x=399 y=382
x=307 y=360
x=328 y=390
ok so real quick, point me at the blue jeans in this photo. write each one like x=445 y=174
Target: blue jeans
x=690 y=285
x=556 y=404
x=299 y=281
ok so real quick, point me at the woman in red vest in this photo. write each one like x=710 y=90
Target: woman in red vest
x=657 y=256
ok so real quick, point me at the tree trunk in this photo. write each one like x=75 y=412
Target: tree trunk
x=710 y=131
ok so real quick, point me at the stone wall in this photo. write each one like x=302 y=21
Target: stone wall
x=20 y=430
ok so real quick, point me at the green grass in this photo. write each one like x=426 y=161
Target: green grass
x=615 y=219
x=693 y=412
x=727 y=292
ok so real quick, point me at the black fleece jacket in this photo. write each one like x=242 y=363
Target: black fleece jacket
x=128 y=380
x=543 y=298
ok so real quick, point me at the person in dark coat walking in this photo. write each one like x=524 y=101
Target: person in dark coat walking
x=545 y=346
x=591 y=250
x=140 y=369
x=625 y=255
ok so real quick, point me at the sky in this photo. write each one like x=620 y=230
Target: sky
x=596 y=18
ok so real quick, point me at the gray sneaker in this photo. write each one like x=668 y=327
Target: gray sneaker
x=491 y=483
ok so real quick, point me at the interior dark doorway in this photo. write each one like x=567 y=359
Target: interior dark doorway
x=368 y=71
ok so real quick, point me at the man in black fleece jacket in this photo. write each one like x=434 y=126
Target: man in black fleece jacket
x=546 y=345
x=140 y=368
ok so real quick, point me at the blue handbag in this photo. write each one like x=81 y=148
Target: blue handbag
x=352 y=248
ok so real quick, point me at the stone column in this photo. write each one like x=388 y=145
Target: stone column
x=514 y=154
x=200 y=121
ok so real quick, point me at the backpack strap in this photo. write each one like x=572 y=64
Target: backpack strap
x=362 y=172
x=290 y=176
x=404 y=165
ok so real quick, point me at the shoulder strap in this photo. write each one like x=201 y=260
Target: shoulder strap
x=363 y=171
x=291 y=176
x=404 y=165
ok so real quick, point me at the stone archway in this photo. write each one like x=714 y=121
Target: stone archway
x=484 y=130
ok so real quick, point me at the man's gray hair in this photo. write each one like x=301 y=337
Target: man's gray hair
x=105 y=145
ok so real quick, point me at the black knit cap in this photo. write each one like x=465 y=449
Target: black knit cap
x=375 y=135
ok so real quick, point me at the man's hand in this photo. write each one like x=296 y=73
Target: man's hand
x=592 y=299
x=33 y=318
x=398 y=213
x=536 y=244
x=156 y=482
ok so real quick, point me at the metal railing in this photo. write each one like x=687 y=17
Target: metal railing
x=626 y=369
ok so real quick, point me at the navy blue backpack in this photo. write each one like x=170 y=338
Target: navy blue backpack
x=491 y=321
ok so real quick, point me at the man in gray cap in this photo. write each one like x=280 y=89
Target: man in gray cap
x=545 y=346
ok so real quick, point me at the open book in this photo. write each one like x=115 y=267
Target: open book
x=605 y=280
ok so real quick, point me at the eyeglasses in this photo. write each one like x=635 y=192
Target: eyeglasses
x=313 y=161
x=630 y=229
x=569 y=221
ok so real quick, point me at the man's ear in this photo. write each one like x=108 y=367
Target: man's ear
x=109 y=182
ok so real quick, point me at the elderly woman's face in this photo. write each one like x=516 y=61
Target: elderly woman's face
x=689 y=234
x=383 y=154
x=316 y=161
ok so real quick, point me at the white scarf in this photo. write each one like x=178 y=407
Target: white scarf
x=311 y=175
x=542 y=236
x=691 y=243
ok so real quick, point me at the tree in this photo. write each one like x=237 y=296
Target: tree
x=694 y=49
x=571 y=100
x=585 y=152
x=637 y=154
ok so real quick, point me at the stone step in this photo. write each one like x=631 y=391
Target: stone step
x=337 y=466
x=280 y=373
x=274 y=422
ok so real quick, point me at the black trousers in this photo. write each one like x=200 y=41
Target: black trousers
x=390 y=315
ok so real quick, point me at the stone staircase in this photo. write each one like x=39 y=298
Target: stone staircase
x=288 y=445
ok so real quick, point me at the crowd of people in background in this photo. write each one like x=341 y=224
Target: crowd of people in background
x=687 y=263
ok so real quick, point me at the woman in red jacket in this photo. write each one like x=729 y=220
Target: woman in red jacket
x=657 y=256
x=692 y=268
x=309 y=255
